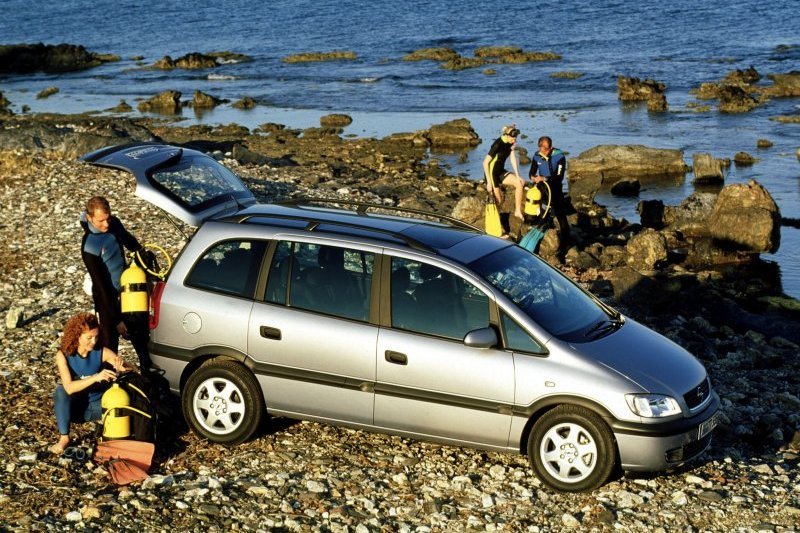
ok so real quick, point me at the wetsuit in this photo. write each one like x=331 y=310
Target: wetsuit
x=82 y=406
x=499 y=152
x=103 y=256
x=552 y=168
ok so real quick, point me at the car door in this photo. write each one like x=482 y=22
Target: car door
x=312 y=336
x=428 y=381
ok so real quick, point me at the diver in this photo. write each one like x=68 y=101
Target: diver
x=504 y=147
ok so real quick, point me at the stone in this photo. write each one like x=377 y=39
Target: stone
x=734 y=99
x=315 y=487
x=710 y=496
x=747 y=218
x=637 y=90
x=121 y=107
x=628 y=500
x=27 y=58
x=462 y=63
x=657 y=103
x=311 y=57
x=431 y=54
x=4 y=106
x=626 y=187
x=743 y=159
x=647 y=250
x=192 y=61
x=14 y=317
x=707 y=169
x=764 y=143
x=763 y=469
x=166 y=102
x=651 y=213
x=48 y=91
x=335 y=120
x=245 y=103
x=567 y=74
x=742 y=77
x=202 y=100
x=784 y=85
x=679 y=498
x=453 y=134
x=570 y=521
x=73 y=516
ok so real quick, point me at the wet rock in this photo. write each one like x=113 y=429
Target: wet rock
x=245 y=103
x=490 y=71
x=647 y=250
x=626 y=187
x=121 y=107
x=310 y=57
x=462 y=63
x=657 y=104
x=431 y=54
x=192 y=61
x=651 y=213
x=764 y=143
x=744 y=159
x=746 y=216
x=47 y=91
x=742 y=77
x=567 y=74
x=707 y=169
x=26 y=58
x=734 y=99
x=513 y=54
x=335 y=120
x=166 y=102
x=202 y=100
x=14 y=317
x=453 y=134
x=4 y=105
x=787 y=119
x=784 y=85
x=637 y=90
x=608 y=163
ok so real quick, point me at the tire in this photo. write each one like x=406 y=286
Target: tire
x=222 y=402
x=571 y=449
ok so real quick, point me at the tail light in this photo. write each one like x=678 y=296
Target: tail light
x=155 y=303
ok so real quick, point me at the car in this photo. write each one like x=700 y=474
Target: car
x=407 y=323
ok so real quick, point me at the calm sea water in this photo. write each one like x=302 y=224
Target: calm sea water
x=681 y=43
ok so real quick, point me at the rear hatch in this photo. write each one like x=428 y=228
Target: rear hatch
x=187 y=184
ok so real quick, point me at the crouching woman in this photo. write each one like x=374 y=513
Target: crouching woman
x=83 y=378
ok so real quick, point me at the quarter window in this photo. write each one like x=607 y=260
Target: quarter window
x=517 y=339
x=431 y=300
x=230 y=267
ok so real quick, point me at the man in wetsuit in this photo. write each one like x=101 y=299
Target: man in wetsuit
x=495 y=172
x=104 y=237
x=549 y=164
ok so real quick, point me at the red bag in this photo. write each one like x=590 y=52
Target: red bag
x=124 y=472
x=139 y=454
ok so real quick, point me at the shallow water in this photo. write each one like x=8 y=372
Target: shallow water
x=681 y=43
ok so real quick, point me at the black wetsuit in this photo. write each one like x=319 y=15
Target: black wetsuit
x=499 y=152
x=552 y=168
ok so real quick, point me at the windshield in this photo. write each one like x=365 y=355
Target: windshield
x=547 y=296
x=198 y=179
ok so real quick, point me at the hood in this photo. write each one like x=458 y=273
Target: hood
x=651 y=360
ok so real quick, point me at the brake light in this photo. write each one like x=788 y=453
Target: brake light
x=155 y=303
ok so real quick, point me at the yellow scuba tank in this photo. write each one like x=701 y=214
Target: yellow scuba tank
x=114 y=402
x=133 y=290
x=533 y=201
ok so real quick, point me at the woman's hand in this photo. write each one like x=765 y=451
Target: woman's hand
x=105 y=375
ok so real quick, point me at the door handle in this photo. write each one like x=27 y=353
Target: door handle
x=270 y=333
x=396 y=358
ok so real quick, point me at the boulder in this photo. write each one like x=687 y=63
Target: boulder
x=192 y=61
x=4 y=104
x=764 y=143
x=202 y=100
x=707 y=169
x=567 y=74
x=743 y=159
x=166 y=102
x=335 y=120
x=626 y=187
x=691 y=216
x=310 y=57
x=657 y=103
x=734 y=99
x=742 y=77
x=245 y=103
x=607 y=163
x=121 y=107
x=431 y=54
x=745 y=217
x=453 y=134
x=470 y=209
x=461 y=63
x=27 y=58
x=646 y=250
x=636 y=90
x=47 y=91
x=497 y=51
x=651 y=213
x=784 y=85
x=513 y=54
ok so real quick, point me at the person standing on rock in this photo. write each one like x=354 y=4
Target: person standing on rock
x=494 y=168
x=549 y=164
x=104 y=239
x=79 y=364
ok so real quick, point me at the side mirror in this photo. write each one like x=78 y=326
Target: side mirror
x=481 y=338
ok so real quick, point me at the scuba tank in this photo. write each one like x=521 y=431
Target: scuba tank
x=133 y=290
x=113 y=403
x=533 y=201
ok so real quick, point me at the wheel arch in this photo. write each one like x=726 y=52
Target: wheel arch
x=203 y=355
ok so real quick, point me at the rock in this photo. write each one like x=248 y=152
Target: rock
x=743 y=159
x=470 y=209
x=784 y=85
x=626 y=187
x=567 y=74
x=431 y=54
x=628 y=500
x=462 y=63
x=707 y=169
x=315 y=487
x=121 y=107
x=497 y=51
x=27 y=58
x=490 y=71
x=453 y=134
x=679 y=498
x=570 y=521
x=512 y=54
x=202 y=100
x=742 y=77
x=335 y=120
x=48 y=91
x=245 y=103
x=651 y=213
x=192 y=61
x=637 y=90
x=73 y=516
x=763 y=469
x=734 y=99
x=646 y=250
x=657 y=103
x=14 y=317
x=746 y=216
x=166 y=102
x=710 y=496
x=764 y=143
x=90 y=512
x=787 y=119
x=309 y=57
x=608 y=163
x=5 y=103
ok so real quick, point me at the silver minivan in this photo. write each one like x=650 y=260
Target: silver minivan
x=360 y=315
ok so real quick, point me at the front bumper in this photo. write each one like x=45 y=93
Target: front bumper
x=654 y=447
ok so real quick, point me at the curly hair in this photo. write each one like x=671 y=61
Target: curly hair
x=74 y=328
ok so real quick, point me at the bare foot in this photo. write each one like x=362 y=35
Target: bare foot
x=59 y=447
x=519 y=215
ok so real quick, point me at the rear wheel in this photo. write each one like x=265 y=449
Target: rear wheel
x=222 y=402
x=571 y=449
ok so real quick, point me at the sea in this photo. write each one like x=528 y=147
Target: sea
x=681 y=43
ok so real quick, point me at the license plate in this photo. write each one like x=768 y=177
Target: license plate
x=708 y=425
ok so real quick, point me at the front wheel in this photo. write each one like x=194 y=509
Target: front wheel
x=571 y=449
x=222 y=402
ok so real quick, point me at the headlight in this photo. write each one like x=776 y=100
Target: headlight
x=652 y=405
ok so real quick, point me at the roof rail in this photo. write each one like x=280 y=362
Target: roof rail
x=363 y=207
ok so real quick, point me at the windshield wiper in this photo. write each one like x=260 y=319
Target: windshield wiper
x=603 y=327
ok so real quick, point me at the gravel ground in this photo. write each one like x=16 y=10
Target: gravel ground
x=308 y=476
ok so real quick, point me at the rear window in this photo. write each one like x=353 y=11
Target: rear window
x=230 y=267
x=198 y=179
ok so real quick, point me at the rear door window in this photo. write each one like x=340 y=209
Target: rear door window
x=230 y=267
